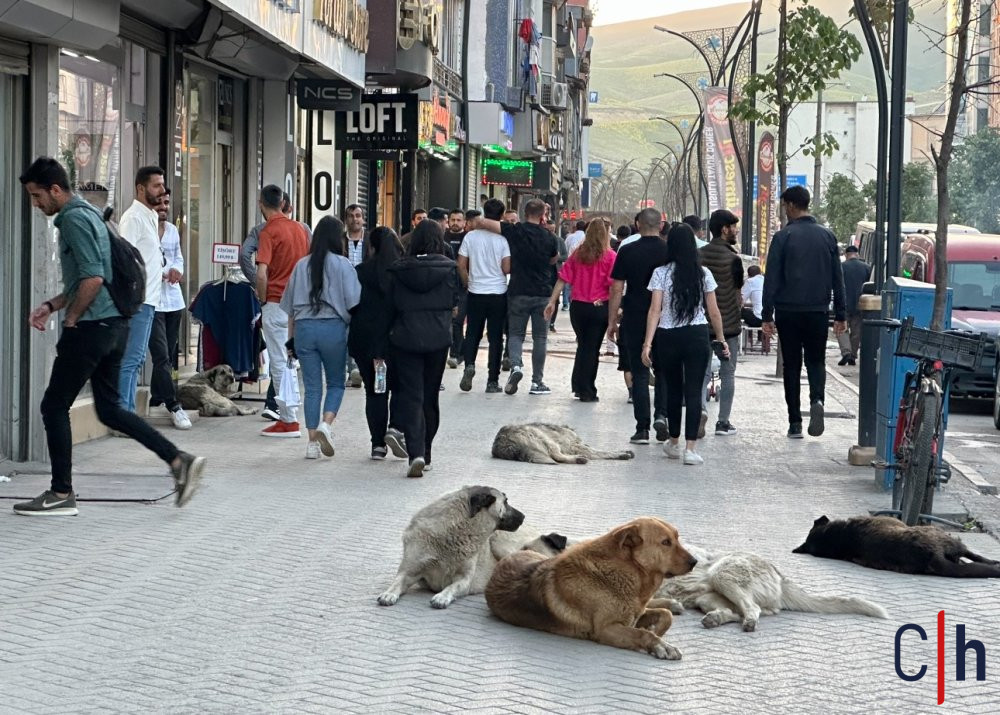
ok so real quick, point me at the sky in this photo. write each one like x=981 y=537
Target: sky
x=610 y=12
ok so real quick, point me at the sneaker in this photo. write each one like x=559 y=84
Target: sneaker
x=270 y=414
x=701 y=424
x=552 y=328
x=692 y=457
x=395 y=441
x=816 y=425
x=492 y=387
x=180 y=419
x=795 y=430
x=452 y=363
x=673 y=450
x=641 y=436
x=379 y=453
x=441 y=387
x=540 y=388
x=844 y=360
x=586 y=398
x=660 y=427
x=852 y=361
x=466 y=384
x=324 y=437
x=187 y=476
x=505 y=364
x=48 y=504
x=355 y=378
x=515 y=377
x=416 y=468
x=312 y=450
x=724 y=428
x=282 y=429
x=565 y=307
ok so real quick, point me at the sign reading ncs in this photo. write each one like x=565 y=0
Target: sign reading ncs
x=327 y=95
x=385 y=124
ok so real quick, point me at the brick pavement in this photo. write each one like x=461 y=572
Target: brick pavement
x=260 y=596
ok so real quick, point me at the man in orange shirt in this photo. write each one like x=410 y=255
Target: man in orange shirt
x=282 y=243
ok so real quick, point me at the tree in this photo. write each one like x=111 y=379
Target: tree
x=844 y=204
x=918 y=193
x=975 y=182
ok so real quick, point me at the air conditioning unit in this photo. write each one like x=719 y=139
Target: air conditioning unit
x=560 y=95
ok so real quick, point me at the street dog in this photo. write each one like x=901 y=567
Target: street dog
x=452 y=545
x=207 y=392
x=741 y=587
x=882 y=542
x=543 y=443
x=598 y=589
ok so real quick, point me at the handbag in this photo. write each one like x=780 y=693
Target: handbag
x=288 y=390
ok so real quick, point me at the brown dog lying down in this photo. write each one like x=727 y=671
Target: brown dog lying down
x=598 y=589
x=883 y=542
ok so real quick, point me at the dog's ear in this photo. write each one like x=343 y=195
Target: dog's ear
x=479 y=501
x=628 y=537
x=555 y=541
x=822 y=521
x=803 y=549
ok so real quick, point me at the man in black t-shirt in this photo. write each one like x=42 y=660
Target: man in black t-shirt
x=634 y=266
x=454 y=237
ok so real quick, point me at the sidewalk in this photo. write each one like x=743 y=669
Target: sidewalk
x=260 y=596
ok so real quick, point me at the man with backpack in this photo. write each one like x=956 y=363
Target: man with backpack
x=92 y=342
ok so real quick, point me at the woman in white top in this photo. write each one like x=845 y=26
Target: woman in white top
x=682 y=306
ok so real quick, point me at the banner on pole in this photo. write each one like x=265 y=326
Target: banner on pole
x=765 y=184
x=722 y=171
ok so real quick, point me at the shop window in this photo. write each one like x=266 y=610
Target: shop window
x=450 y=38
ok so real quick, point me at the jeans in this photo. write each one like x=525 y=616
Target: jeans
x=802 y=333
x=682 y=354
x=489 y=311
x=163 y=351
x=414 y=402
x=632 y=332
x=850 y=340
x=139 y=328
x=727 y=378
x=376 y=404
x=458 y=325
x=274 y=322
x=519 y=309
x=91 y=351
x=321 y=345
x=590 y=323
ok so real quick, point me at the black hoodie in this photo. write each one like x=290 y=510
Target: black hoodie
x=423 y=291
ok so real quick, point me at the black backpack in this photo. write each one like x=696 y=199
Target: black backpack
x=128 y=271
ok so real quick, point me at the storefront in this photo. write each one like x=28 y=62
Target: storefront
x=441 y=138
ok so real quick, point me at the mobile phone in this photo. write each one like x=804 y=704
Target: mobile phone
x=718 y=348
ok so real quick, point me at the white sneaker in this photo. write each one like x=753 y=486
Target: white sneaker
x=673 y=450
x=324 y=437
x=180 y=419
x=692 y=457
x=312 y=450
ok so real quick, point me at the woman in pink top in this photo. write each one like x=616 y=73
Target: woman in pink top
x=588 y=273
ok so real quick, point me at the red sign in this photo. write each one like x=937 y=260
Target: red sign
x=765 y=210
x=725 y=186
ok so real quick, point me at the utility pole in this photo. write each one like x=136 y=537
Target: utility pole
x=818 y=162
x=897 y=122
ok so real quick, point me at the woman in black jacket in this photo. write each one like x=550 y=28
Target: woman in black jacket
x=368 y=340
x=423 y=292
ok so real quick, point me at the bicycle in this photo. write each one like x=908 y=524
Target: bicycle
x=917 y=449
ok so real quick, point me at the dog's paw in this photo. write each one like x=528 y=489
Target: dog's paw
x=712 y=620
x=627 y=454
x=676 y=607
x=665 y=651
x=581 y=460
x=388 y=599
x=749 y=625
x=441 y=600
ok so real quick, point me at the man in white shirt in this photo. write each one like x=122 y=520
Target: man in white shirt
x=357 y=237
x=574 y=239
x=139 y=226
x=484 y=263
x=753 y=297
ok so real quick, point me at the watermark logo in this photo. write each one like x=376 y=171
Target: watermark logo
x=962 y=648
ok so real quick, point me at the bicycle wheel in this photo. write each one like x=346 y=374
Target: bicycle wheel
x=918 y=475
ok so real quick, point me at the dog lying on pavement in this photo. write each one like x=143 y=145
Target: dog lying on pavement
x=452 y=545
x=207 y=392
x=543 y=443
x=598 y=589
x=741 y=587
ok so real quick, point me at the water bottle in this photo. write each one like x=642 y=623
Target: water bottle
x=380 y=377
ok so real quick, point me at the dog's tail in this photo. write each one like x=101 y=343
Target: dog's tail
x=794 y=598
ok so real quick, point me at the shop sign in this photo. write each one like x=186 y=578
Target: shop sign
x=550 y=136
x=542 y=129
x=417 y=21
x=508 y=172
x=327 y=95
x=438 y=125
x=384 y=123
x=346 y=19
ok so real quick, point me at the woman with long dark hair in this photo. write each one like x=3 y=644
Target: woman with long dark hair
x=368 y=340
x=588 y=273
x=423 y=292
x=677 y=327
x=319 y=296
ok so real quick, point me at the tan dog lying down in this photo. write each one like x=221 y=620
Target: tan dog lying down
x=598 y=589
x=544 y=443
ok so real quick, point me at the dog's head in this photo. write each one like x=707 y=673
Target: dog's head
x=547 y=545
x=221 y=379
x=814 y=541
x=654 y=545
x=493 y=503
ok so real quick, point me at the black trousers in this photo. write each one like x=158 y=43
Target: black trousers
x=414 y=402
x=590 y=323
x=487 y=311
x=632 y=331
x=801 y=334
x=749 y=318
x=376 y=404
x=163 y=351
x=682 y=355
x=91 y=351
x=458 y=326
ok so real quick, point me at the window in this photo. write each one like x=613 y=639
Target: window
x=450 y=33
x=975 y=285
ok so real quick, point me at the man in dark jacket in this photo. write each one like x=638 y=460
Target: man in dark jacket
x=803 y=269
x=856 y=274
x=723 y=260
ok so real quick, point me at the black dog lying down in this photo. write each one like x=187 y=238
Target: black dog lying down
x=882 y=542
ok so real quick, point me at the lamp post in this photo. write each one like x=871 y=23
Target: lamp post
x=697 y=131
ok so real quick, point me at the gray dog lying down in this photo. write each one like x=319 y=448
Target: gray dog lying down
x=544 y=443
x=740 y=586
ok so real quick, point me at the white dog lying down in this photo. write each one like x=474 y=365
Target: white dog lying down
x=740 y=586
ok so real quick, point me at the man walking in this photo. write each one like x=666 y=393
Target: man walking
x=803 y=269
x=282 y=243
x=483 y=264
x=454 y=236
x=90 y=347
x=357 y=238
x=723 y=260
x=856 y=274
x=634 y=266
x=139 y=226
x=574 y=239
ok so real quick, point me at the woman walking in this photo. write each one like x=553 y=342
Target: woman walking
x=320 y=293
x=423 y=293
x=368 y=340
x=588 y=273
x=682 y=306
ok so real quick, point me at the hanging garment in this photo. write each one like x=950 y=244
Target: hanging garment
x=230 y=310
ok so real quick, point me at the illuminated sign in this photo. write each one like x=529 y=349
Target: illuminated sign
x=508 y=172
x=345 y=19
